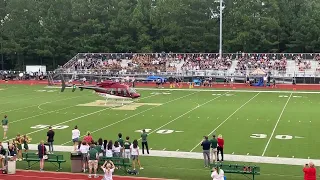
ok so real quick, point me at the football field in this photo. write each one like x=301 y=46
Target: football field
x=253 y=123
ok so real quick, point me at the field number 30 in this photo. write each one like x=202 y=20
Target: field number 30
x=263 y=136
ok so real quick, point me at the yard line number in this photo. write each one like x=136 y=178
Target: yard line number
x=42 y=126
x=263 y=136
x=162 y=131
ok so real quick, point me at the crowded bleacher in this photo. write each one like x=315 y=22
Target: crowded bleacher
x=178 y=62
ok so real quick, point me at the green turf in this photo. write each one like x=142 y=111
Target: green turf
x=236 y=116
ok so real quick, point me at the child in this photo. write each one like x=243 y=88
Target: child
x=108 y=169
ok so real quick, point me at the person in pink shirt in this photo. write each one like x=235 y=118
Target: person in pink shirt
x=88 y=138
x=310 y=172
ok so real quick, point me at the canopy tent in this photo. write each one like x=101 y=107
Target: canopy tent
x=258 y=72
x=154 y=78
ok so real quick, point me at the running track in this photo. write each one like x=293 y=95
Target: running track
x=36 y=175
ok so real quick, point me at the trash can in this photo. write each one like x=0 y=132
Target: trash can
x=11 y=167
x=76 y=162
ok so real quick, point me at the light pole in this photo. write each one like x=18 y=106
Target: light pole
x=220 y=40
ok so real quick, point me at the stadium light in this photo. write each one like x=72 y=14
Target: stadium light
x=220 y=40
x=221 y=7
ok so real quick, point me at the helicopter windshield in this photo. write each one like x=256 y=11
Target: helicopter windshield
x=131 y=90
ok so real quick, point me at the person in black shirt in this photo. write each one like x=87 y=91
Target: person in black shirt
x=206 y=151
x=50 y=139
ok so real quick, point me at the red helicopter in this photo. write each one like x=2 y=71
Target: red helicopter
x=107 y=89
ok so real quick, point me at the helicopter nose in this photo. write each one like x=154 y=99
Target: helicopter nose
x=135 y=95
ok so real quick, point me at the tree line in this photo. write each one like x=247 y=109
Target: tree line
x=50 y=32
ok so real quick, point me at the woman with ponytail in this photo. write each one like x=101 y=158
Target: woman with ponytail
x=217 y=174
x=108 y=169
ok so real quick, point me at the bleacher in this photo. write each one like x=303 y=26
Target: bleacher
x=284 y=65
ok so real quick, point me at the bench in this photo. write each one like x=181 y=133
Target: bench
x=117 y=161
x=239 y=169
x=54 y=159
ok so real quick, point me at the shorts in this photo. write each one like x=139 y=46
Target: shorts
x=5 y=128
x=134 y=157
x=75 y=140
x=84 y=157
x=214 y=149
x=93 y=164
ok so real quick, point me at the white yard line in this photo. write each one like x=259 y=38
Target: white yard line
x=185 y=114
x=225 y=90
x=16 y=95
x=275 y=127
x=197 y=155
x=49 y=112
x=226 y=120
x=41 y=114
x=39 y=104
x=64 y=121
x=17 y=101
x=134 y=115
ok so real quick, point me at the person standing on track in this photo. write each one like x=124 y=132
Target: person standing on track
x=5 y=126
x=134 y=151
x=50 y=139
x=120 y=140
x=220 y=147
x=93 y=157
x=144 y=136
x=127 y=145
x=214 y=145
x=206 y=151
x=75 y=137
x=42 y=151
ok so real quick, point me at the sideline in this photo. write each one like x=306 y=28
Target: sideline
x=197 y=155
x=231 y=90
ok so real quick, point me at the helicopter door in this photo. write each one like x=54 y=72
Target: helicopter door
x=125 y=93
x=120 y=92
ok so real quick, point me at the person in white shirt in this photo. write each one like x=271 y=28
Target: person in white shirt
x=84 y=148
x=217 y=174
x=116 y=149
x=108 y=169
x=109 y=148
x=75 y=137
x=134 y=151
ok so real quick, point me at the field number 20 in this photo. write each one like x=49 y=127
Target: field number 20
x=263 y=136
x=42 y=126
